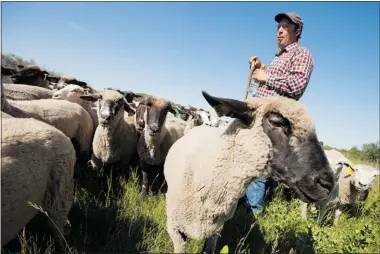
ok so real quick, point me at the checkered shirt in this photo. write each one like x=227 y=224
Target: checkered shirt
x=288 y=74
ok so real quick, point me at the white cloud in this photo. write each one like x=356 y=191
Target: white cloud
x=76 y=26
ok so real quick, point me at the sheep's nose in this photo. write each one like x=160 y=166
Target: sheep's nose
x=154 y=128
x=106 y=116
x=362 y=185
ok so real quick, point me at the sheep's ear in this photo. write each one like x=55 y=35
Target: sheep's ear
x=53 y=79
x=7 y=71
x=128 y=108
x=230 y=107
x=91 y=97
x=81 y=83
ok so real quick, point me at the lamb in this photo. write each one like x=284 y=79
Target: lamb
x=26 y=92
x=116 y=137
x=31 y=75
x=209 y=169
x=66 y=116
x=161 y=131
x=37 y=165
x=72 y=93
x=353 y=182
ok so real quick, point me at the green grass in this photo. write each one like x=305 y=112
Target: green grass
x=110 y=216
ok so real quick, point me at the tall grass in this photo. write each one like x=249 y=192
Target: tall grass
x=109 y=215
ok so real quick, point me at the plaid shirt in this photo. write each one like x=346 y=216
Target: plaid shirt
x=288 y=74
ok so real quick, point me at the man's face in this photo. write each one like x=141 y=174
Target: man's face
x=286 y=33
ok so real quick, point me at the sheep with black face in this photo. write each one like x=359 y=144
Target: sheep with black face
x=115 y=138
x=209 y=169
x=31 y=75
x=161 y=130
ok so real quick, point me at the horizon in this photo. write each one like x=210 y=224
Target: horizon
x=177 y=49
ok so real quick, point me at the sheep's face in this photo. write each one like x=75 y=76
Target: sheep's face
x=298 y=159
x=206 y=117
x=29 y=75
x=155 y=113
x=364 y=177
x=111 y=106
x=71 y=93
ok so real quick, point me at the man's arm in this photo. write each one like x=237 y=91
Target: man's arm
x=296 y=79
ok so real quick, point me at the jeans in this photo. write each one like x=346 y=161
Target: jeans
x=255 y=195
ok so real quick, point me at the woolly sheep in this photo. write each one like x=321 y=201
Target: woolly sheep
x=37 y=165
x=115 y=138
x=66 y=116
x=19 y=92
x=72 y=93
x=348 y=187
x=162 y=129
x=209 y=169
x=31 y=75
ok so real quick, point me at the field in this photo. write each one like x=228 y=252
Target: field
x=110 y=216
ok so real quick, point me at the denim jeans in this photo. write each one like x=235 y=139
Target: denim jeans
x=255 y=195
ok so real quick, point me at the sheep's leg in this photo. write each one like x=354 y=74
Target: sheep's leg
x=304 y=211
x=338 y=212
x=321 y=214
x=178 y=239
x=145 y=183
x=210 y=244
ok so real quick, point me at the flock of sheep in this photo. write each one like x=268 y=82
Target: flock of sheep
x=51 y=124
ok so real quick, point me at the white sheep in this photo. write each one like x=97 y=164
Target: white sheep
x=162 y=129
x=72 y=93
x=209 y=169
x=70 y=118
x=353 y=182
x=19 y=92
x=37 y=165
x=115 y=138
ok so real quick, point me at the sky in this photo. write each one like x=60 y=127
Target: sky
x=177 y=49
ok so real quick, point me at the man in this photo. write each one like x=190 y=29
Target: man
x=288 y=75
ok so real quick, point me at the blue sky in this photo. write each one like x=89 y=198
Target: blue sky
x=177 y=49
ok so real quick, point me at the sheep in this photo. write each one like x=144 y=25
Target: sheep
x=353 y=182
x=63 y=81
x=72 y=93
x=161 y=131
x=70 y=118
x=209 y=169
x=116 y=137
x=31 y=75
x=37 y=165
x=26 y=92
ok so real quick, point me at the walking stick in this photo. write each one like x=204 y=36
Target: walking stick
x=250 y=73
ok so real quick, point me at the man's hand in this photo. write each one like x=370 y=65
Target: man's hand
x=260 y=75
x=255 y=60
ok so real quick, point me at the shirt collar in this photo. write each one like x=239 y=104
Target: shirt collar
x=288 y=48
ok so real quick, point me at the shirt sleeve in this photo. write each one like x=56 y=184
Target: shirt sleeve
x=296 y=79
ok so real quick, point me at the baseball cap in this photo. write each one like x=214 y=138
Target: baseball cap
x=294 y=17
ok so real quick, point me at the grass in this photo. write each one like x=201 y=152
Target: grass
x=109 y=215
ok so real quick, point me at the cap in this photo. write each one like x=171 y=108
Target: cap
x=294 y=17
